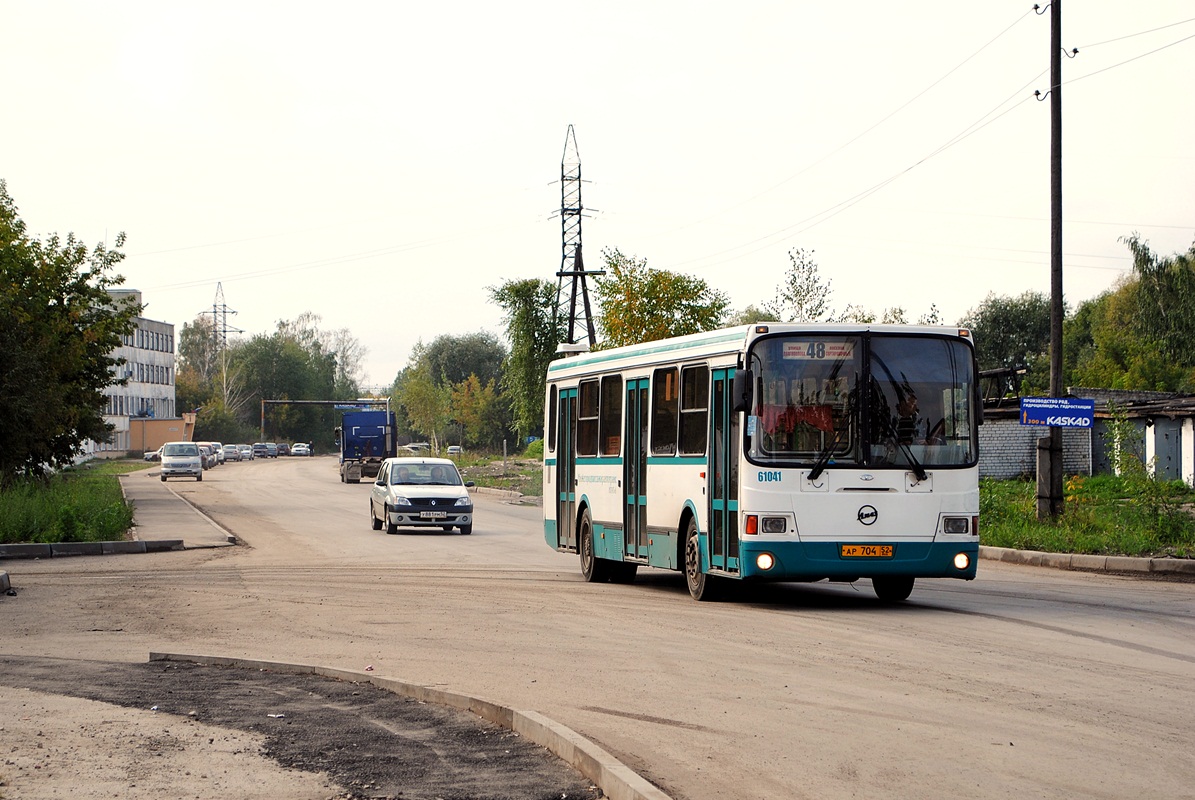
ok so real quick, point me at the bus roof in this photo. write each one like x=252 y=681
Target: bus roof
x=722 y=342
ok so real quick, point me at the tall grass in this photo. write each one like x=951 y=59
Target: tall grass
x=1103 y=515
x=79 y=505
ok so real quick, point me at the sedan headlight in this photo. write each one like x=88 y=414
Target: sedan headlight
x=401 y=501
x=463 y=501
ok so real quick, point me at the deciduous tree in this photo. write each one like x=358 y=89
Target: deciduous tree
x=60 y=328
x=534 y=332
x=639 y=304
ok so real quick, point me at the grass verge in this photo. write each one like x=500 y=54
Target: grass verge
x=82 y=504
x=1104 y=515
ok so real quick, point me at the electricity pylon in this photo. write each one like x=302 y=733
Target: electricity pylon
x=575 y=299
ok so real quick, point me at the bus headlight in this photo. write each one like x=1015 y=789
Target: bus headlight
x=765 y=561
x=962 y=561
x=955 y=524
x=775 y=524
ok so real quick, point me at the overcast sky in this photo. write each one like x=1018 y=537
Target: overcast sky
x=381 y=164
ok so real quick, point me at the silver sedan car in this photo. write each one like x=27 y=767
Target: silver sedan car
x=420 y=493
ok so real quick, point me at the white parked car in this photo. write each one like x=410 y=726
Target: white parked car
x=231 y=453
x=181 y=458
x=420 y=493
x=246 y=452
x=300 y=449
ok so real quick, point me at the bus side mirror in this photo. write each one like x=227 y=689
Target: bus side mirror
x=740 y=390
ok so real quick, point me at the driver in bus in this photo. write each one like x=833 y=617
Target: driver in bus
x=909 y=422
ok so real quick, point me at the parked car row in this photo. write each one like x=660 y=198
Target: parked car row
x=211 y=454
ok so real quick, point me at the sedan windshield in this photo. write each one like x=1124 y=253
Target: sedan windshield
x=424 y=475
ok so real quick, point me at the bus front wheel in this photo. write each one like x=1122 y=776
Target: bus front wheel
x=701 y=585
x=892 y=588
x=594 y=569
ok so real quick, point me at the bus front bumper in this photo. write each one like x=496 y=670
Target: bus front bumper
x=840 y=560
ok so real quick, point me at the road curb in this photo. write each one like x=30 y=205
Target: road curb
x=62 y=549
x=1090 y=563
x=616 y=780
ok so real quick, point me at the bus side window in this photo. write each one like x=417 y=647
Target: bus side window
x=587 y=418
x=611 y=415
x=664 y=408
x=694 y=410
x=552 y=411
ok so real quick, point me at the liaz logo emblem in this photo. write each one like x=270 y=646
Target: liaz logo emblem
x=868 y=515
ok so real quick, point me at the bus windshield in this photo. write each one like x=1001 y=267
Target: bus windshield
x=867 y=400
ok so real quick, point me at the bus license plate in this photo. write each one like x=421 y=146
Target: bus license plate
x=866 y=551
x=433 y=514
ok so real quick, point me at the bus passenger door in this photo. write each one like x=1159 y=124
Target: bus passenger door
x=723 y=475
x=566 y=463
x=634 y=470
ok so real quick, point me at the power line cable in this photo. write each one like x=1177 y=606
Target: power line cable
x=1130 y=60
x=1138 y=33
x=833 y=211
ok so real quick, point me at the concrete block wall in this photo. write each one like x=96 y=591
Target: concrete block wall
x=1008 y=449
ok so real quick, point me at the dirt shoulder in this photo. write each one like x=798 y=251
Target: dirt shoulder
x=92 y=729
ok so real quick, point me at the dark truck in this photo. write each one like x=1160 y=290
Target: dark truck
x=365 y=438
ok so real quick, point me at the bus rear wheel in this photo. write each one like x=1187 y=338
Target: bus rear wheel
x=594 y=569
x=892 y=588
x=701 y=585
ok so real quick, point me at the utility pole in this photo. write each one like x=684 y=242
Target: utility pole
x=1050 y=502
x=572 y=267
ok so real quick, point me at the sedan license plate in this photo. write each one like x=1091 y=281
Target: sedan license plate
x=866 y=551
x=433 y=514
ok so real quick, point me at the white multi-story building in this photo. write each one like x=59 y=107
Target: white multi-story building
x=149 y=394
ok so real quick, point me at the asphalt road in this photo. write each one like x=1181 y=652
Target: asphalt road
x=1024 y=682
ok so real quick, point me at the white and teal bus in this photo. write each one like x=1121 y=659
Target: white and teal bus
x=770 y=452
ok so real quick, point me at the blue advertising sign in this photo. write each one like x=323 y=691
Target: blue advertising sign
x=1057 y=412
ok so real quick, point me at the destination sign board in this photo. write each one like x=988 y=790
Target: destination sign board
x=1057 y=412
x=818 y=350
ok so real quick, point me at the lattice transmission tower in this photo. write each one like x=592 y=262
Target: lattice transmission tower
x=573 y=299
x=220 y=326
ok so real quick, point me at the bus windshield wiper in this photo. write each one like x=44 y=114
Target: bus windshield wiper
x=914 y=464
x=823 y=458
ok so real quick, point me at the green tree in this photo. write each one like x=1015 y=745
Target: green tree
x=639 y=304
x=534 y=332
x=749 y=316
x=427 y=403
x=1110 y=351
x=1165 y=294
x=453 y=359
x=60 y=328
x=1010 y=331
x=478 y=409
x=802 y=297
